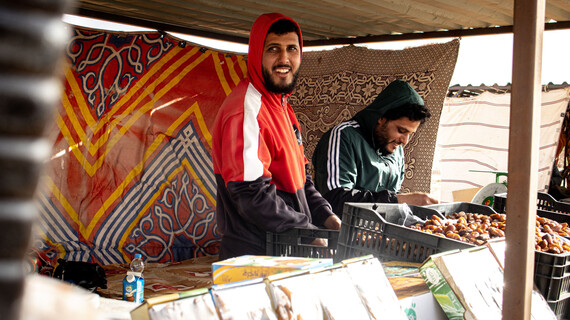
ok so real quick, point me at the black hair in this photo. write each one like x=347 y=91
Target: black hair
x=413 y=111
x=283 y=26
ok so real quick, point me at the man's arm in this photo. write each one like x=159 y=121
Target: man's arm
x=333 y=160
x=257 y=202
x=243 y=164
x=337 y=175
x=337 y=197
x=321 y=210
x=335 y=164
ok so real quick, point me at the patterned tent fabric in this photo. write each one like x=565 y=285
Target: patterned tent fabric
x=131 y=168
x=336 y=84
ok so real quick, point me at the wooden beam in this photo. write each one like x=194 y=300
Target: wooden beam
x=523 y=157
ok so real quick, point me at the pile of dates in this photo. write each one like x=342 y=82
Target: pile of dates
x=476 y=228
x=548 y=236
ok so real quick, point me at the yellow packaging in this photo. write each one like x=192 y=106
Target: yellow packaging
x=251 y=267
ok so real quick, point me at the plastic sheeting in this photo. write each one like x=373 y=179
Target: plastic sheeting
x=474 y=136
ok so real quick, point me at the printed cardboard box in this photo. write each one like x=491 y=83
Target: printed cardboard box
x=243 y=300
x=468 y=284
x=339 y=298
x=422 y=306
x=294 y=296
x=192 y=304
x=374 y=289
x=251 y=267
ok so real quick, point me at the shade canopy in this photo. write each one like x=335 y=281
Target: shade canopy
x=323 y=21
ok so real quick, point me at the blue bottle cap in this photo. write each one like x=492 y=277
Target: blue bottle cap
x=137 y=255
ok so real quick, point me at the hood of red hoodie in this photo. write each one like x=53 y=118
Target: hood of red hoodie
x=257 y=37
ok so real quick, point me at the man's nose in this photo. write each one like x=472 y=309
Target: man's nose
x=283 y=57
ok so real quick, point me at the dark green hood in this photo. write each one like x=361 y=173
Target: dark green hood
x=394 y=95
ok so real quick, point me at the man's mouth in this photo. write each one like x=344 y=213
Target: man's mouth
x=282 y=69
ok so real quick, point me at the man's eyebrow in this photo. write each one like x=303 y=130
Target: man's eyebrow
x=279 y=44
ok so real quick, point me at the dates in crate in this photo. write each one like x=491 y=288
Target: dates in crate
x=476 y=228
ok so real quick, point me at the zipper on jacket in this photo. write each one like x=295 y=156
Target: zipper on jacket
x=294 y=129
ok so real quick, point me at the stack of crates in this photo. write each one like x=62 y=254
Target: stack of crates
x=551 y=271
x=544 y=202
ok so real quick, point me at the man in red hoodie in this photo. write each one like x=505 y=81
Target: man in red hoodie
x=258 y=154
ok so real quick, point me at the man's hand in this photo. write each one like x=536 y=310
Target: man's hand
x=416 y=198
x=320 y=242
x=332 y=222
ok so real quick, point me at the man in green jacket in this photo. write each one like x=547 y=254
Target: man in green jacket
x=362 y=159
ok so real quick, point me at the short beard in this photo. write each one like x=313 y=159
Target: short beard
x=380 y=139
x=276 y=88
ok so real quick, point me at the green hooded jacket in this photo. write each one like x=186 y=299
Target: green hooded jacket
x=349 y=167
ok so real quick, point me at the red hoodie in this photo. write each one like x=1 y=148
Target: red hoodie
x=259 y=161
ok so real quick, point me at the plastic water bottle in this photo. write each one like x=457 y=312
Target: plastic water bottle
x=133 y=283
x=137 y=265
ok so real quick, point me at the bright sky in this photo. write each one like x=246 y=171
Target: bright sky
x=482 y=59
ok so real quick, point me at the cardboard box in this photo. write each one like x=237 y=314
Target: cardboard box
x=354 y=289
x=539 y=300
x=464 y=195
x=338 y=295
x=133 y=287
x=243 y=300
x=468 y=284
x=374 y=289
x=192 y=304
x=441 y=289
x=422 y=307
x=293 y=296
x=251 y=267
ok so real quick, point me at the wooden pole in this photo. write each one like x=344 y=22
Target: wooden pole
x=523 y=157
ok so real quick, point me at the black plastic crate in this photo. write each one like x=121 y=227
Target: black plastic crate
x=561 y=308
x=373 y=228
x=370 y=228
x=552 y=265
x=448 y=208
x=556 y=216
x=552 y=287
x=552 y=274
x=544 y=201
x=551 y=271
x=297 y=243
